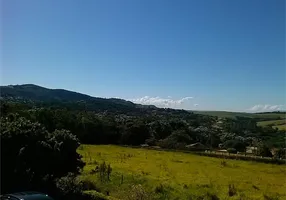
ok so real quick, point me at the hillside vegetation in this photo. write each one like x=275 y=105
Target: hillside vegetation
x=37 y=121
x=171 y=175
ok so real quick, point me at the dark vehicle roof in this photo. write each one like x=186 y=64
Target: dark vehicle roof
x=26 y=196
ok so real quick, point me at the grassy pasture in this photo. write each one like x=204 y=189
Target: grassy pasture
x=280 y=127
x=227 y=114
x=272 y=122
x=280 y=124
x=175 y=175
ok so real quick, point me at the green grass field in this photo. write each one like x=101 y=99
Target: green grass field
x=174 y=175
x=226 y=114
x=274 y=122
x=280 y=124
x=281 y=127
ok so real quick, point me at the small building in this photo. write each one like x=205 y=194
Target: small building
x=251 y=150
x=222 y=151
x=197 y=145
x=144 y=145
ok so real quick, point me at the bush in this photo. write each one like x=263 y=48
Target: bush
x=151 y=141
x=223 y=163
x=235 y=144
x=89 y=185
x=280 y=153
x=69 y=188
x=32 y=158
x=231 y=190
x=138 y=193
x=159 y=189
x=206 y=196
x=69 y=185
x=264 y=151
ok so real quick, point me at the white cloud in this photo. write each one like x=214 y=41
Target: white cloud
x=163 y=102
x=266 y=108
x=196 y=104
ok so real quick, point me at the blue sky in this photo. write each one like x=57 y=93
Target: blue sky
x=226 y=55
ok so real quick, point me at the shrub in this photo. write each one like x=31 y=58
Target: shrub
x=231 y=190
x=211 y=196
x=280 y=153
x=151 y=141
x=270 y=197
x=89 y=185
x=31 y=156
x=138 y=193
x=206 y=196
x=264 y=151
x=68 y=186
x=223 y=163
x=159 y=189
x=235 y=144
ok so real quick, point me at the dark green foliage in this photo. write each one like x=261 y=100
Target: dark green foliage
x=280 y=153
x=69 y=186
x=59 y=98
x=270 y=197
x=177 y=140
x=235 y=144
x=151 y=141
x=115 y=121
x=264 y=151
x=159 y=189
x=231 y=190
x=207 y=196
x=32 y=157
x=180 y=136
x=135 y=134
x=135 y=127
x=231 y=150
x=89 y=185
x=223 y=163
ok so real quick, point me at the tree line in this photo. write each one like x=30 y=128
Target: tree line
x=165 y=127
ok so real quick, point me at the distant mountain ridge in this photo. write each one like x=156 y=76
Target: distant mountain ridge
x=30 y=93
x=37 y=95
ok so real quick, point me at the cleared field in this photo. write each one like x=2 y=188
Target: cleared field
x=227 y=114
x=174 y=175
x=272 y=122
x=281 y=127
x=280 y=124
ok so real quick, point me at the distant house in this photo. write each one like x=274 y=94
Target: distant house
x=144 y=145
x=197 y=145
x=251 y=150
x=222 y=151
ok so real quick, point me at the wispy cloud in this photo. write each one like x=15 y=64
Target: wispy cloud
x=164 y=102
x=266 y=108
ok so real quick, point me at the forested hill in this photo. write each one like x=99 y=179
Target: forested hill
x=37 y=95
x=116 y=121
